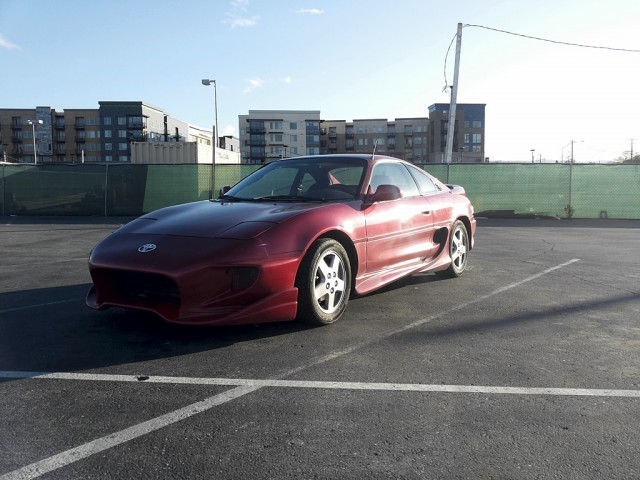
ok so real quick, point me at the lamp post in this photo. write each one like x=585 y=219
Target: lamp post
x=533 y=150
x=214 y=144
x=33 y=129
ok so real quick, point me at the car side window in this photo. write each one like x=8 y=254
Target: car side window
x=424 y=182
x=394 y=174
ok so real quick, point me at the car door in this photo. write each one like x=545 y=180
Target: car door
x=400 y=231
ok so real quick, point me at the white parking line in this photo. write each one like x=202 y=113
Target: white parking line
x=83 y=451
x=39 y=305
x=260 y=383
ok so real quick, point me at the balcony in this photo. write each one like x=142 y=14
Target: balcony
x=137 y=137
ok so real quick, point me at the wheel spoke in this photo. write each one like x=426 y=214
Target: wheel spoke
x=458 y=248
x=330 y=284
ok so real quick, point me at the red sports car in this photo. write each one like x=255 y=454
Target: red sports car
x=293 y=240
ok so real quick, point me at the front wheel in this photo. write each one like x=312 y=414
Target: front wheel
x=324 y=283
x=458 y=250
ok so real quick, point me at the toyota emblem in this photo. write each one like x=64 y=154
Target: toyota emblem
x=147 y=247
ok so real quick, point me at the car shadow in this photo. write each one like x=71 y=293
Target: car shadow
x=52 y=329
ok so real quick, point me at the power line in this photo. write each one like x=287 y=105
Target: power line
x=554 y=41
x=446 y=83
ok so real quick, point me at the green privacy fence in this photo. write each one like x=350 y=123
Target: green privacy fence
x=557 y=190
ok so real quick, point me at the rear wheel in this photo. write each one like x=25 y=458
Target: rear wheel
x=458 y=250
x=324 y=283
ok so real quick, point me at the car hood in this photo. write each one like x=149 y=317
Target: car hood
x=215 y=219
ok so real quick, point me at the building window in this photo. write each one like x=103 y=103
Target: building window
x=108 y=146
x=108 y=158
x=293 y=125
x=123 y=158
x=122 y=134
x=106 y=120
x=362 y=142
x=122 y=146
x=275 y=125
x=107 y=134
x=293 y=138
x=122 y=120
x=275 y=137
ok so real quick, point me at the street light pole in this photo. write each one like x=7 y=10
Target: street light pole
x=214 y=143
x=533 y=150
x=33 y=130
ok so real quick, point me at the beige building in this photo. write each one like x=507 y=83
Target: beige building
x=404 y=138
x=105 y=134
x=267 y=135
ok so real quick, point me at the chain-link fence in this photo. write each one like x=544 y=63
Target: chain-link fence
x=558 y=190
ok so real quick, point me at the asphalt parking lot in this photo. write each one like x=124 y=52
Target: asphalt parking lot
x=528 y=366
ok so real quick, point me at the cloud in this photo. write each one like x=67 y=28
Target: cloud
x=236 y=21
x=237 y=15
x=7 y=44
x=287 y=80
x=311 y=11
x=254 y=83
x=241 y=4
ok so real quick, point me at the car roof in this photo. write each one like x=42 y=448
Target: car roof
x=362 y=156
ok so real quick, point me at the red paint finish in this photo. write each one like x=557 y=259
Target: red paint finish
x=235 y=260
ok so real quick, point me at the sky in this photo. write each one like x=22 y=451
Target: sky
x=349 y=59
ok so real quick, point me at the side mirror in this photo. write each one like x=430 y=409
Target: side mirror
x=384 y=193
x=225 y=189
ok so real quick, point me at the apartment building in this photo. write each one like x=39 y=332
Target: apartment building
x=26 y=135
x=404 y=138
x=469 y=133
x=266 y=135
x=103 y=134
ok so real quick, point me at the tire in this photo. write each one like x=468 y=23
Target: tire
x=323 y=282
x=458 y=250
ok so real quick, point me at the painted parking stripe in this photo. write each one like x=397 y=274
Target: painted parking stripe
x=260 y=383
x=86 y=450
x=39 y=305
x=70 y=456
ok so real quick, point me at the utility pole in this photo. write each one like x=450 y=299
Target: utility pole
x=454 y=98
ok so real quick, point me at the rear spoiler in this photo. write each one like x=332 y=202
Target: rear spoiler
x=457 y=189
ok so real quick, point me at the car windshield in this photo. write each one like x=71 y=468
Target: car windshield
x=302 y=179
